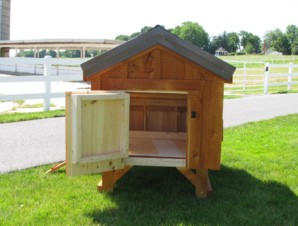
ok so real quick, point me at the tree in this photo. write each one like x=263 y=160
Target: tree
x=29 y=53
x=233 y=42
x=145 y=29
x=228 y=41
x=71 y=54
x=278 y=41
x=133 y=35
x=194 y=33
x=292 y=36
x=214 y=44
x=123 y=37
x=93 y=53
x=45 y=52
x=250 y=43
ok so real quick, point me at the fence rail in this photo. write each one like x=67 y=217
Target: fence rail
x=50 y=72
x=261 y=77
x=249 y=77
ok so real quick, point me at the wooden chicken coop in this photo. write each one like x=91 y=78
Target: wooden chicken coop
x=155 y=100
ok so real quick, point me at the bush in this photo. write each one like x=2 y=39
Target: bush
x=240 y=53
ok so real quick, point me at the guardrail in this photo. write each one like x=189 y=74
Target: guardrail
x=47 y=65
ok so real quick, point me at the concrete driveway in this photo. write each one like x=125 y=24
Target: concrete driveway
x=31 y=143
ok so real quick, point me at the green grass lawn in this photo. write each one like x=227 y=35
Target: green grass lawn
x=257 y=185
x=16 y=117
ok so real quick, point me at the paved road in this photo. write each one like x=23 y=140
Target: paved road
x=32 y=143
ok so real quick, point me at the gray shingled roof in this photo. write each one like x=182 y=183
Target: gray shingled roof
x=159 y=36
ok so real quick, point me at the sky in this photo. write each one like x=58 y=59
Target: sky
x=105 y=19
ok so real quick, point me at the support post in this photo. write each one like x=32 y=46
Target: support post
x=109 y=178
x=107 y=182
x=200 y=180
x=290 y=76
x=47 y=72
x=202 y=183
x=84 y=52
x=266 y=78
x=16 y=65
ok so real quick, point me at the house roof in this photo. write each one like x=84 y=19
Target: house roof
x=159 y=36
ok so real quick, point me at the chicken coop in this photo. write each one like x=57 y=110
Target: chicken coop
x=155 y=100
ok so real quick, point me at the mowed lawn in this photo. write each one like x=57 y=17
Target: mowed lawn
x=257 y=185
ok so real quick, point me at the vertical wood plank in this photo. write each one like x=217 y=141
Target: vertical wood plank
x=157 y=64
x=188 y=70
x=96 y=85
x=124 y=145
x=76 y=128
x=86 y=135
x=68 y=129
x=194 y=130
x=212 y=125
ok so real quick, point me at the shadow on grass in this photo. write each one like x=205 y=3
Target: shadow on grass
x=161 y=196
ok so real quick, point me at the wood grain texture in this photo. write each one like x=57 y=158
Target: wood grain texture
x=155 y=64
x=194 y=132
x=212 y=125
x=160 y=69
x=87 y=150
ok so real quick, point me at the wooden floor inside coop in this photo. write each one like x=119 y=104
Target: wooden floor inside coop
x=157 y=145
x=158 y=125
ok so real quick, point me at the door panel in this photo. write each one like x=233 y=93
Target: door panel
x=97 y=126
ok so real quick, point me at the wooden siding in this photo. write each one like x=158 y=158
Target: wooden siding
x=160 y=69
x=152 y=66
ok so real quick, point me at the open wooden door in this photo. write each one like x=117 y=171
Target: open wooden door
x=97 y=129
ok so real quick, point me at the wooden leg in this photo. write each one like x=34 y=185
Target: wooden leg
x=203 y=186
x=109 y=178
x=200 y=180
x=107 y=182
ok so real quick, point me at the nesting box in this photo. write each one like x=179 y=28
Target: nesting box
x=156 y=100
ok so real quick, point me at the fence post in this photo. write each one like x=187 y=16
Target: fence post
x=16 y=67
x=244 y=77
x=266 y=78
x=290 y=76
x=47 y=72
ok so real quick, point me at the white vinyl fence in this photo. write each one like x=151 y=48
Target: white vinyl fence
x=51 y=70
x=260 y=77
x=280 y=75
x=249 y=77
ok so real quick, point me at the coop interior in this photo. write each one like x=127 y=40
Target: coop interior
x=158 y=125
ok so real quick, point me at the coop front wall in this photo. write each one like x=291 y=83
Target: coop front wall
x=204 y=130
x=162 y=70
